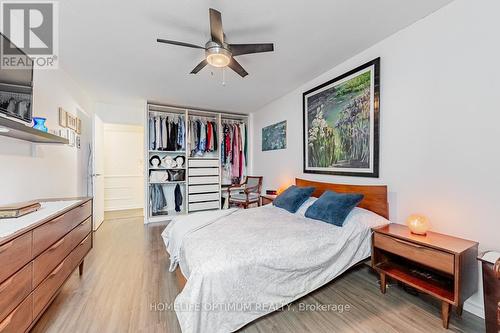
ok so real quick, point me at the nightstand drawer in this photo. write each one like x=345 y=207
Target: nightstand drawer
x=427 y=256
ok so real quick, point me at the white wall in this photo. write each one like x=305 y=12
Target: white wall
x=123 y=167
x=131 y=114
x=54 y=170
x=439 y=124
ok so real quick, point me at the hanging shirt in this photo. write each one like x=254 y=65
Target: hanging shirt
x=164 y=132
x=236 y=153
x=209 y=136
x=151 y=133
x=157 y=133
x=203 y=138
x=181 y=134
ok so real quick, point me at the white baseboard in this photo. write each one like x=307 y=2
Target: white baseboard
x=474 y=308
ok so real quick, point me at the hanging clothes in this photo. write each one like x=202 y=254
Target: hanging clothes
x=181 y=143
x=167 y=133
x=157 y=197
x=236 y=152
x=164 y=131
x=178 y=198
x=151 y=134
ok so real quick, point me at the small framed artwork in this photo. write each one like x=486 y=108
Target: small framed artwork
x=78 y=126
x=63 y=121
x=341 y=124
x=274 y=136
x=71 y=121
x=71 y=137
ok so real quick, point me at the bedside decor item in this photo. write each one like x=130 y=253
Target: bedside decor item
x=341 y=124
x=274 y=136
x=39 y=124
x=418 y=224
x=19 y=209
x=441 y=266
x=332 y=207
x=271 y=192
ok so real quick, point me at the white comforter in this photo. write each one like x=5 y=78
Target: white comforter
x=255 y=261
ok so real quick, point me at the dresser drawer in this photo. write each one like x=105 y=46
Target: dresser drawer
x=430 y=257
x=14 y=255
x=193 y=207
x=80 y=251
x=203 y=197
x=204 y=172
x=49 y=233
x=14 y=290
x=203 y=188
x=20 y=319
x=51 y=257
x=48 y=287
x=203 y=180
x=203 y=163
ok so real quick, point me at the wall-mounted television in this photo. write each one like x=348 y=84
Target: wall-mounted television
x=16 y=81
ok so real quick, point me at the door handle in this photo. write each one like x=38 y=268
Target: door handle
x=96 y=174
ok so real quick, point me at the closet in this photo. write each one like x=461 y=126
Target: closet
x=188 y=162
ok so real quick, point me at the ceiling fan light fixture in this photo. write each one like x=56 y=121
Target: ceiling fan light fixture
x=218 y=57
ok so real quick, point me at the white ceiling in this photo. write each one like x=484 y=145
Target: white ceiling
x=109 y=46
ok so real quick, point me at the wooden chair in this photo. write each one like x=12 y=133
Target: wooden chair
x=246 y=193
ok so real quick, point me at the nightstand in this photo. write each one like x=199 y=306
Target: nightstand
x=267 y=199
x=439 y=265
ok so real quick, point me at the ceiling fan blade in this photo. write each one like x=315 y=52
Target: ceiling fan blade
x=216 y=26
x=239 y=49
x=199 y=67
x=235 y=66
x=173 y=42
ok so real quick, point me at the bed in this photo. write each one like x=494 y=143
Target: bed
x=235 y=266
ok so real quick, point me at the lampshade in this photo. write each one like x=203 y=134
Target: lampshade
x=418 y=224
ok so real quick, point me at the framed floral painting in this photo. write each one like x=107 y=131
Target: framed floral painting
x=341 y=124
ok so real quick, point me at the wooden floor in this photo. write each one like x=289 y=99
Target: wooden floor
x=126 y=274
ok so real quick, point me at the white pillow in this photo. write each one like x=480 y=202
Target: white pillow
x=363 y=216
x=302 y=209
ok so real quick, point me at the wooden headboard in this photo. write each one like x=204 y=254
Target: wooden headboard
x=375 y=198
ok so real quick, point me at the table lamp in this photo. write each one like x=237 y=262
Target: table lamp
x=418 y=224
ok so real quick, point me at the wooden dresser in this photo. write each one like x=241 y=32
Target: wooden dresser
x=36 y=260
x=442 y=266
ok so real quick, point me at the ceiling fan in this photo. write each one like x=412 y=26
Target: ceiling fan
x=218 y=53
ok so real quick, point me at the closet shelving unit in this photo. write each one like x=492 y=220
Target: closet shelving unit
x=167 y=187
x=203 y=185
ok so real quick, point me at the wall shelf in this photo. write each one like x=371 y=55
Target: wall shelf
x=20 y=131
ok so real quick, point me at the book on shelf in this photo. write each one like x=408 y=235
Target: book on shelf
x=18 y=209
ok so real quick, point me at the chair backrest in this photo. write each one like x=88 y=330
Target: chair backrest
x=254 y=181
